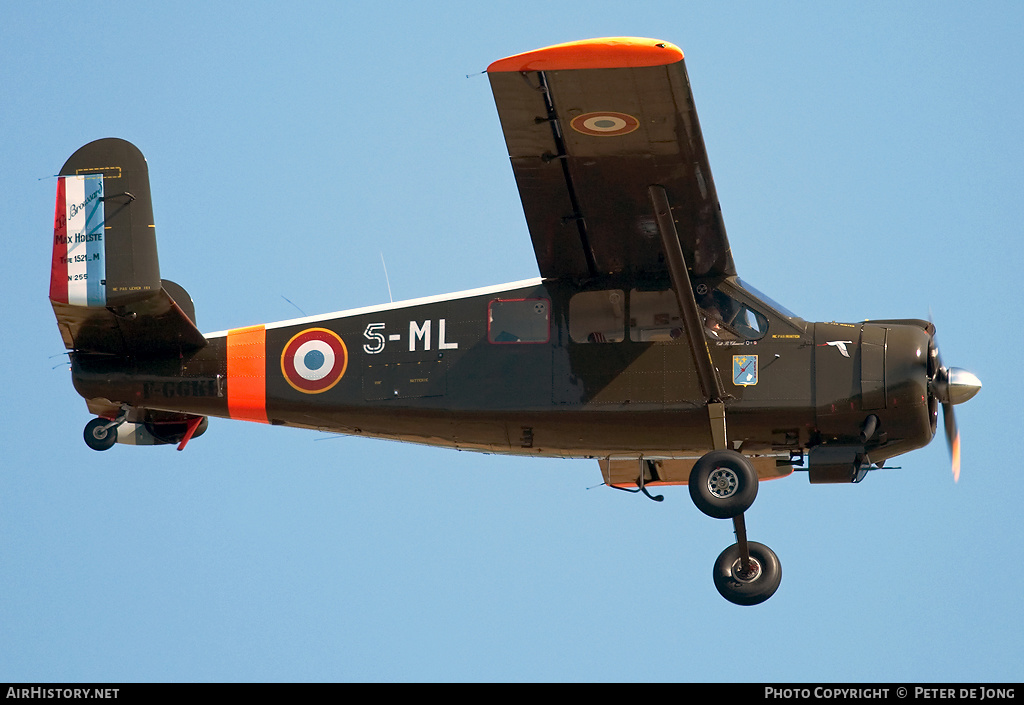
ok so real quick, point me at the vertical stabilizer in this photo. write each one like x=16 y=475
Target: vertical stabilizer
x=105 y=284
x=104 y=241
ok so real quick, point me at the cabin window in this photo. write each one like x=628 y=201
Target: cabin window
x=598 y=316
x=519 y=321
x=654 y=316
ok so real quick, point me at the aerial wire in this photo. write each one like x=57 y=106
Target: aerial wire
x=304 y=314
x=386 y=279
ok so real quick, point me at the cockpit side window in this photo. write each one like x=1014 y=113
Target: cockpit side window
x=727 y=319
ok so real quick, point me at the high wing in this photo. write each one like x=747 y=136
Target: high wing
x=590 y=126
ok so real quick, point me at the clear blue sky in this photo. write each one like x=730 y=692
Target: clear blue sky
x=868 y=160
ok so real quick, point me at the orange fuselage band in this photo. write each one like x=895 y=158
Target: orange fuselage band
x=247 y=374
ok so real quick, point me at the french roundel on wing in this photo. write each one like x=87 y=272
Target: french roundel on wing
x=314 y=360
x=606 y=124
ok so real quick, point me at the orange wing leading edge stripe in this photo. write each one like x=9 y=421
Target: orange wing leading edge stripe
x=603 y=53
x=247 y=374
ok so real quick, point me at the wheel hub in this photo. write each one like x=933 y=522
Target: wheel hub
x=723 y=483
x=748 y=574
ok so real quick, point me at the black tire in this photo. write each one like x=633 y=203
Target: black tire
x=749 y=589
x=723 y=484
x=98 y=437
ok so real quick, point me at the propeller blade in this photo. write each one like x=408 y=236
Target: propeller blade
x=949 y=385
x=952 y=438
x=955 y=450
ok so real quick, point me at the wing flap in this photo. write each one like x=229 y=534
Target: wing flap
x=552 y=219
x=533 y=146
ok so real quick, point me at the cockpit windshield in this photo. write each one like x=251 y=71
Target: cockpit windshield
x=767 y=299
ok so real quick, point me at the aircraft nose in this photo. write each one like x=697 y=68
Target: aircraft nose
x=962 y=385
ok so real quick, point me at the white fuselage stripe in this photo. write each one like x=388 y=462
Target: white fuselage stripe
x=525 y=283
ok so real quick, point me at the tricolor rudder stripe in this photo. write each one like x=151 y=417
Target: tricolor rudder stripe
x=78 y=268
x=314 y=360
x=247 y=373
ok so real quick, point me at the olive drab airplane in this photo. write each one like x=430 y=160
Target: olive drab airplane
x=637 y=347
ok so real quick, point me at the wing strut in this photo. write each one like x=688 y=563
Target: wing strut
x=709 y=382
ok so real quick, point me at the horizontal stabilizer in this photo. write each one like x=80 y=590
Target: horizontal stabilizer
x=152 y=327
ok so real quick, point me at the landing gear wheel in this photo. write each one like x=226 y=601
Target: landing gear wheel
x=98 y=436
x=748 y=586
x=723 y=484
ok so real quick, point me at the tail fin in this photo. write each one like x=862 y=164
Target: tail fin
x=105 y=284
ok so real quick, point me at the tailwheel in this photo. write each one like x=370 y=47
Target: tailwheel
x=723 y=484
x=747 y=582
x=100 y=434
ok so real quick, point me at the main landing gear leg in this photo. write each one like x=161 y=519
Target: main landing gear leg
x=101 y=433
x=747 y=573
x=723 y=484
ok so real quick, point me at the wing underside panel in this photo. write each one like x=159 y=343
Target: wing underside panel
x=586 y=144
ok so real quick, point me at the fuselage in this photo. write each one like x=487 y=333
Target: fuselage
x=548 y=368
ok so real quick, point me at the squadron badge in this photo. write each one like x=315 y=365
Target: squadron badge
x=744 y=370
